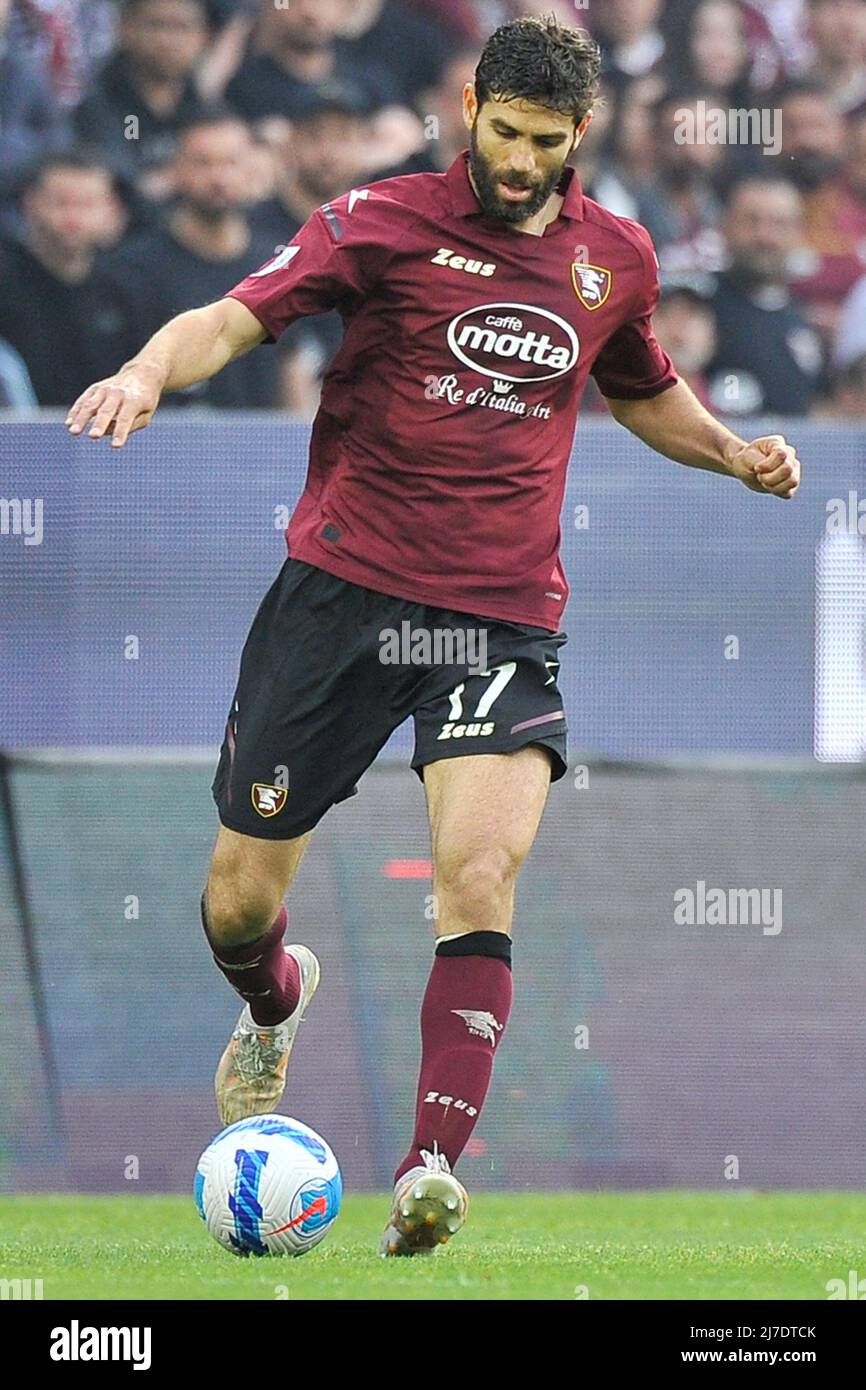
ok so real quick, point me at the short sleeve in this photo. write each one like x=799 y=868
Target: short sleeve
x=331 y=263
x=632 y=365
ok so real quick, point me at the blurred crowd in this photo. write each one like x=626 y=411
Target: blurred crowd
x=152 y=152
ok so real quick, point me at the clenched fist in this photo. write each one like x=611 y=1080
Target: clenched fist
x=768 y=465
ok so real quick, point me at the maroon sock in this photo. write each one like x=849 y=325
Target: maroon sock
x=260 y=971
x=463 y=1017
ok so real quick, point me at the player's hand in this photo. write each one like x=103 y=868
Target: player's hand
x=768 y=465
x=118 y=406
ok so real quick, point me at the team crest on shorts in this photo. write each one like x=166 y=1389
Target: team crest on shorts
x=268 y=801
x=591 y=284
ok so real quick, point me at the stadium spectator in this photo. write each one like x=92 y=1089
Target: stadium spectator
x=325 y=156
x=679 y=204
x=717 y=60
x=813 y=137
x=444 y=128
x=685 y=325
x=412 y=47
x=769 y=359
x=837 y=29
x=32 y=123
x=836 y=232
x=147 y=90
x=297 y=48
x=58 y=308
x=596 y=162
x=632 y=42
x=207 y=244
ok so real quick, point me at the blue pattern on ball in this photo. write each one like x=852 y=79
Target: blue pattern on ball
x=244 y=1202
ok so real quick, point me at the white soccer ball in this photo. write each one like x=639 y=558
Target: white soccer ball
x=268 y=1185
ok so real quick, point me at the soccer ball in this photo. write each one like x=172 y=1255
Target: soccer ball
x=268 y=1186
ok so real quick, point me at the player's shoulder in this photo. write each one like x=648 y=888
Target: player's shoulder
x=624 y=229
x=395 y=201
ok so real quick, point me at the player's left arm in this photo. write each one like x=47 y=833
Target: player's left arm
x=675 y=424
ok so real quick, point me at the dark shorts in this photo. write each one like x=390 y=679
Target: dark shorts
x=330 y=669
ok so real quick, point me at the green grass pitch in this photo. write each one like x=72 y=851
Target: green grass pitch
x=555 y=1246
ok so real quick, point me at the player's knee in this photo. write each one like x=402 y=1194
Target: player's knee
x=237 y=911
x=476 y=884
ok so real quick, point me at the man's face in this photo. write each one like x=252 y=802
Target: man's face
x=211 y=168
x=517 y=152
x=762 y=227
x=328 y=152
x=684 y=160
x=75 y=209
x=165 y=37
x=813 y=137
x=838 y=28
x=306 y=25
x=626 y=20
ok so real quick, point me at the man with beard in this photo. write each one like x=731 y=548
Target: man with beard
x=679 y=202
x=148 y=89
x=298 y=50
x=825 y=156
x=207 y=242
x=476 y=303
x=768 y=358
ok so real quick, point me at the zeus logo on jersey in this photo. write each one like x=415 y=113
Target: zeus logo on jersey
x=445 y=256
x=514 y=341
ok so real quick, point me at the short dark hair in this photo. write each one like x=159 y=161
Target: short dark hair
x=541 y=61
x=214 y=113
x=744 y=178
x=83 y=159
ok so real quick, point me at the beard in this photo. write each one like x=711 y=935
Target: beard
x=486 y=182
x=809 y=169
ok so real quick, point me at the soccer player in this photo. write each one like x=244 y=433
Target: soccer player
x=475 y=302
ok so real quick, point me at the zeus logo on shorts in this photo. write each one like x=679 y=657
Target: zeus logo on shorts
x=268 y=801
x=453 y=730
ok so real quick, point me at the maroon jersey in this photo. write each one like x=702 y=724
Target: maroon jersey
x=439 y=452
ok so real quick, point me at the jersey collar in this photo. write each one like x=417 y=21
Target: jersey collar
x=464 y=202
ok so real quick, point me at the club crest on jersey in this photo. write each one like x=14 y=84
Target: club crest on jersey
x=268 y=801
x=591 y=284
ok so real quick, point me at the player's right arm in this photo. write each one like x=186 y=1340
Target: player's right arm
x=336 y=258
x=189 y=348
